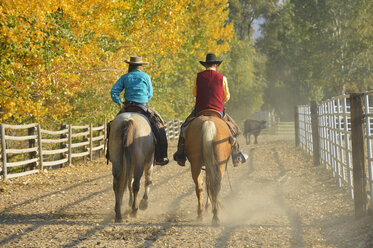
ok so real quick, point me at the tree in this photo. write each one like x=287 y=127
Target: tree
x=59 y=59
x=312 y=50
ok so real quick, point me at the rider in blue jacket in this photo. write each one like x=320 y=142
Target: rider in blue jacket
x=138 y=91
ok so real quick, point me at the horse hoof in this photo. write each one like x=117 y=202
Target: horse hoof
x=215 y=222
x=143 y=204
x=134 y=213
x=118 y=220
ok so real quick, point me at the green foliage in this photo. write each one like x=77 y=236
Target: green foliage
x=316 y=50
x=241 y=69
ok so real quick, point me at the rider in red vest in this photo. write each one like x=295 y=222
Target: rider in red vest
x=211 y=92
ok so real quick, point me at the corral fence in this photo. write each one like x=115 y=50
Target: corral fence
x=274 y=126
x=173 y=129
x=28 y=149
x=338 y=134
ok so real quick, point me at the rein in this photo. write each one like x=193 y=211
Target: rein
x=229 y=179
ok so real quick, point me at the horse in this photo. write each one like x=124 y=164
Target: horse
x=208 y=143
x=131 y=152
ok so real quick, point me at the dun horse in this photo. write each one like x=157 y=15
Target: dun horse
x=131 y=151
x=208 y=143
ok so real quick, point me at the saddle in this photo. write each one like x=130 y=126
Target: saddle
x=135 y=108
x=210 y=112
x=205 y=112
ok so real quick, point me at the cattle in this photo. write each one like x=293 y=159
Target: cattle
x=253 y=127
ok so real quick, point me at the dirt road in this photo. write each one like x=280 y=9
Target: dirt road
x=276 y=199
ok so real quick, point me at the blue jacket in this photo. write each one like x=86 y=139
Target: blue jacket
x=137 y=87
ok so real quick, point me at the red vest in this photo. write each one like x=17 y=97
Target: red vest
x=210 y=91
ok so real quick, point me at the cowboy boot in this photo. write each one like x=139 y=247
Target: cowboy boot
x=160 y=153
x=237 y=155
x=179 y=155
x=161 y=147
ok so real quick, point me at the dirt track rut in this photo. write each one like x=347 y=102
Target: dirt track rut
x=276 y=199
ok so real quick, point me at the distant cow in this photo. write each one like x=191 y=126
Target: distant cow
x=253 y=127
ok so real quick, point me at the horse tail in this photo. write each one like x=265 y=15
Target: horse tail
x=128 y=132
x=213 y=176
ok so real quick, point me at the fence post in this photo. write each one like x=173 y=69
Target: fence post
x=69 y=138
x=3 y=150
x=90 y=142
x=63 y=145
x=40 y=148
x=315 y=133
x=296 y=126
x=31 y=142
x=358 y=156
x=105 y=136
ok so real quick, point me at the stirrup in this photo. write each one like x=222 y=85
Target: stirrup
x=163 y=162
x=242 y=157
x=180 y=158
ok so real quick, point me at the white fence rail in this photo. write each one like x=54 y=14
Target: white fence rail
x=27 y=149
x=173 y=129
x=334 y=130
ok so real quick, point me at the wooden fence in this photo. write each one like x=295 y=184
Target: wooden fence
x=27 y=149
x=338 y=134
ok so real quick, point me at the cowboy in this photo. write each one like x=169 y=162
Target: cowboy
x=138 y=90
x=211 y=92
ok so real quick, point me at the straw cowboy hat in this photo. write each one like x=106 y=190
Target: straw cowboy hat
x=136 y=60
x=210 y=60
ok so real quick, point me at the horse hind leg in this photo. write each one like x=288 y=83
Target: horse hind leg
x=118 y=186
x=136 y=188
x=207 y=204
x=130 y=200
x=148 y=181
x=198 y=181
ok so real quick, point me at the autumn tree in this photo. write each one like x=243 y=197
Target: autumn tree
x=59 y=59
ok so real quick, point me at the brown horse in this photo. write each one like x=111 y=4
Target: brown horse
x=208 y=143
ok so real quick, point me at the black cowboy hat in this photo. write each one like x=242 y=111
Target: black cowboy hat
x=210 y=60
x=136 y=60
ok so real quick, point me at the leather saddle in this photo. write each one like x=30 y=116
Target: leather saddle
x=210 y=112
x=135 y=108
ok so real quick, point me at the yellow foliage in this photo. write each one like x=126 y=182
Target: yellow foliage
x=59 y=59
